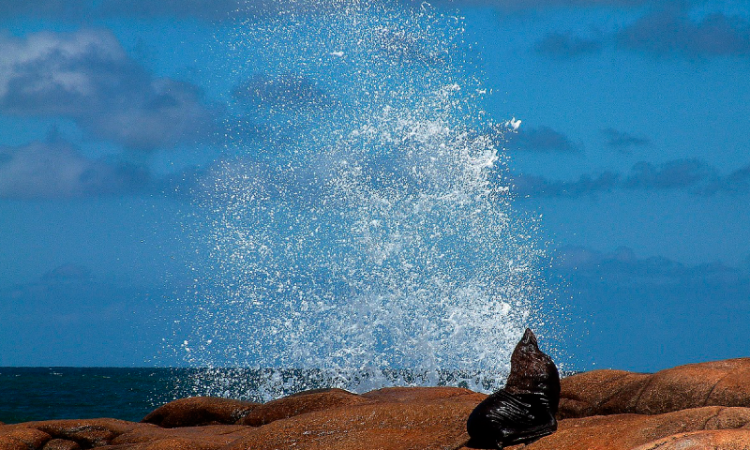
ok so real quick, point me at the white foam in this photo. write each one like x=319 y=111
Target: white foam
x=375 y=238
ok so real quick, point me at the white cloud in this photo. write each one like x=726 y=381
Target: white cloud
x=86 y=76
x=57 y=170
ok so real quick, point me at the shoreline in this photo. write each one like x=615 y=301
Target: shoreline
x=703 y=405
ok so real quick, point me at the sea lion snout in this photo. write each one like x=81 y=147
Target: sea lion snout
x=529 y=338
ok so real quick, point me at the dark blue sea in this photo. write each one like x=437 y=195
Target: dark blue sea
x=28 y=394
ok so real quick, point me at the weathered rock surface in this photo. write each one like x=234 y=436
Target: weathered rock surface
x=195 y=411
x=86 y=434
x=720 y=383
x=603 y=409
x=411 y=394
x=437 y=423
x=61 y=444
x=304 y=402
x=629 y=431
x=12 y=437
x=701 y=440
x=209 y=437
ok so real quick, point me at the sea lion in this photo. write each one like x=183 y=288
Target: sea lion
x=524 y=410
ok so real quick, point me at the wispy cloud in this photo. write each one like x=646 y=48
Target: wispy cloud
x=514 y=5
x=208 y=10
x=622 y=141
x=670 y=31
x=567 y=45
x=539 y=139
x=86 y=76
x=43 y=170
x=537 y=186
x=653 y=299
x=227 y=179
x=53 y=9
x=67 y=272
x=690 y=175
x=623 y=261
x=219 y=10
x=666 y=30
x=227 y=10
x=408 y=47
x=286 y=90
x=737 y=182
x=678 y=174
x=203 y=9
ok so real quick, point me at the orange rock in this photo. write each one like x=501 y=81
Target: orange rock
x=87 y=433
x=8 y=443
x=409 y=394
x=701 y=440
x=174 y=443
x=22 y=437
x=600 y=392
x=721 y=383
x=61 y=444
x=628 y=431
x=423 y=423
x=203 y=437
x=196 y=411
x=304 y=402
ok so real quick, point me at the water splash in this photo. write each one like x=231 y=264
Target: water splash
x=356 y=228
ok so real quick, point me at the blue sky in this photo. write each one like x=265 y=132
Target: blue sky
x=634 y=149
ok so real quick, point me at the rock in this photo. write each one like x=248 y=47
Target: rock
x=124 y=435
x=174 y=444
x=196 y=411
x=7 y=443
x=61 y=444
x=304 y=402
x=628 y=431
x=701 y=440
x=599 y=392
x=203 y=437
x=428 y=421
x=22 y=437
x=410 y=394
x=720 y=383
x=87 y=433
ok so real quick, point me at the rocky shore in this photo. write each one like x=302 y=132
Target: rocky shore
x=697 y=406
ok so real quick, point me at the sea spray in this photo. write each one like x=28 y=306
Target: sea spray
x=357 y=233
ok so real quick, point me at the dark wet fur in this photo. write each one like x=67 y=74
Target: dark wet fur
x=524 y=410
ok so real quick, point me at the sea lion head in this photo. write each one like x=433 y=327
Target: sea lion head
x=533 y=372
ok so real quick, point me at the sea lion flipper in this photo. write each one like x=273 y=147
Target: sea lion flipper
x=509 y=407
x=530 y=435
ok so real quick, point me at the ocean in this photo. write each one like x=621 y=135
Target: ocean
x=28 y=394
x=49 y=393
